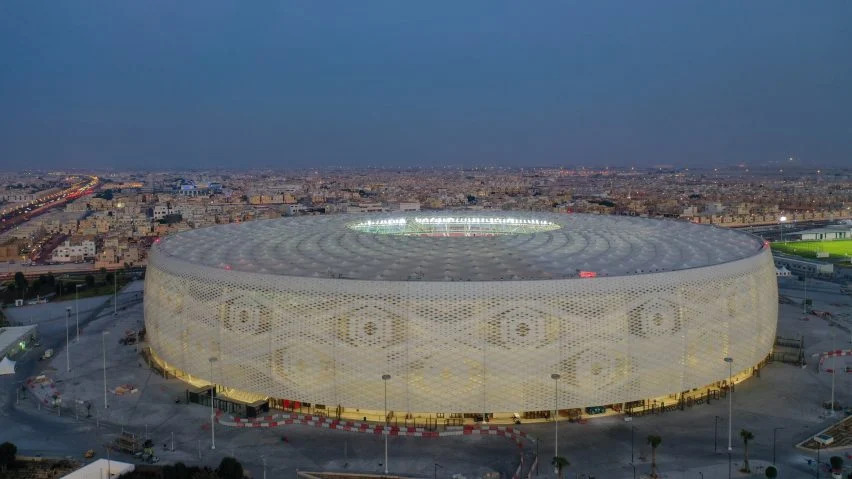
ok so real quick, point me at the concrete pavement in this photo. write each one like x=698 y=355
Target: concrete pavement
x=784 y=396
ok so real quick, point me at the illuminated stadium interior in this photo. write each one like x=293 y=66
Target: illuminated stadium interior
x=454 y=226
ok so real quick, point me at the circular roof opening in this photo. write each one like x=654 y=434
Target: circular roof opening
x=453 y=226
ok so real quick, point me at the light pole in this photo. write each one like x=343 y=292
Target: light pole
x=781 y=221
x=555 y=377
x=115 y=293
x=103 y=345
x=833 y=370
x=730 y=362
x=212 y=360
x=729 y=464
x=632 y=430
x=385 y=378
x=819 y=448
x=715 y=433
x=67 y=342
x=77 y=309
x=774 y=431
x=435 y=476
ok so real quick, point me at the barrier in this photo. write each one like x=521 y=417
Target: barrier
x=830 y=354
x=283 y=419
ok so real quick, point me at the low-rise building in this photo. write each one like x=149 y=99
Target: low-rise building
x=74 y=249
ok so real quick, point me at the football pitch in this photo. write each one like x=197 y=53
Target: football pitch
x=837 y=249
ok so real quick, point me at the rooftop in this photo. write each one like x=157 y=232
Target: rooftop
x=485 y=246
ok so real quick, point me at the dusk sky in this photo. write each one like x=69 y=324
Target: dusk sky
x=159 y=84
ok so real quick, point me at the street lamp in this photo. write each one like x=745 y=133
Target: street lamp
x=103 y=345
x=781 y=222
x=212 y=360
x=435 y=476
x=632 y=430
x=115 y=293
x=555 y=377
x=819 y=448
x=774 y=431
x=77 y=308
x=715 y=434
x=385 y=378
x=833 y=370
x=730 y=362
x=67 y=342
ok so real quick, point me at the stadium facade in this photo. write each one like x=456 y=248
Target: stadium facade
x=465 y=312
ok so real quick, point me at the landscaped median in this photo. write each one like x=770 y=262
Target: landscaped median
x=833 y=438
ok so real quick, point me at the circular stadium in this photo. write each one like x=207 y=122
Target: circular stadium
x=469 y=312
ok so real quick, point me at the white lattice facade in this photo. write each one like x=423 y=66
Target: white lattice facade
x=461 y=346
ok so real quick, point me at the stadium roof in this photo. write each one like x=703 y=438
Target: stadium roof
x=459 y=246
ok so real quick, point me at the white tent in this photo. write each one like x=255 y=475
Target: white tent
x=7 y=366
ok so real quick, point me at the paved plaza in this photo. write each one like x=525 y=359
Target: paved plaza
x=785 y=399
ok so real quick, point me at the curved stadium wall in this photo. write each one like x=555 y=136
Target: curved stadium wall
x=477 y=346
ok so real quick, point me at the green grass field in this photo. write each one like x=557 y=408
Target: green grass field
x=837 y=249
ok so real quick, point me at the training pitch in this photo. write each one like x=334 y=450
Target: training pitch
x=809 y=249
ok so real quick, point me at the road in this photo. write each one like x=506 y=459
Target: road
x=784 y=396
x=18 y=214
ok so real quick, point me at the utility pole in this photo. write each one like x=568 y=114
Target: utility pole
x=77 y=309
x=833 y=371
x=715 y=434
x=555 y=377
x=67 y=341
x=730 y=362
x=103 y=345
x=115 y=294
x=385 y=378
x=774 y=431
x=212 y=360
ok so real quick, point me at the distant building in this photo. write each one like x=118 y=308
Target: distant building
x=10 y=250
x=804 y=267
x=714 y=208
x=161 y=211
x=295 y=209
x=78 y=249
x=407 y=206
x=832 y=232
x=366 y=208
x=102 y=468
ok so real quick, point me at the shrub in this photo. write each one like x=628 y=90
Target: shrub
x=8 y=451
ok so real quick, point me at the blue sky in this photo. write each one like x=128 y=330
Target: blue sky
x=402 y=83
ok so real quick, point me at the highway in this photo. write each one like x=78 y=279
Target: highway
x=19 y=214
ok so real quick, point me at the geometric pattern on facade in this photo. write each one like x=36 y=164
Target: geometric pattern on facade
x=461 y=346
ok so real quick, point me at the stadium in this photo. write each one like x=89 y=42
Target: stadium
x=466 y=313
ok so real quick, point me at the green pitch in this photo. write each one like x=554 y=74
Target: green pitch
x=837 y=249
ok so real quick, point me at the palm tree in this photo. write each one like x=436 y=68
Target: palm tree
x=560 y=463
x=654 y=441
x=747 y=436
